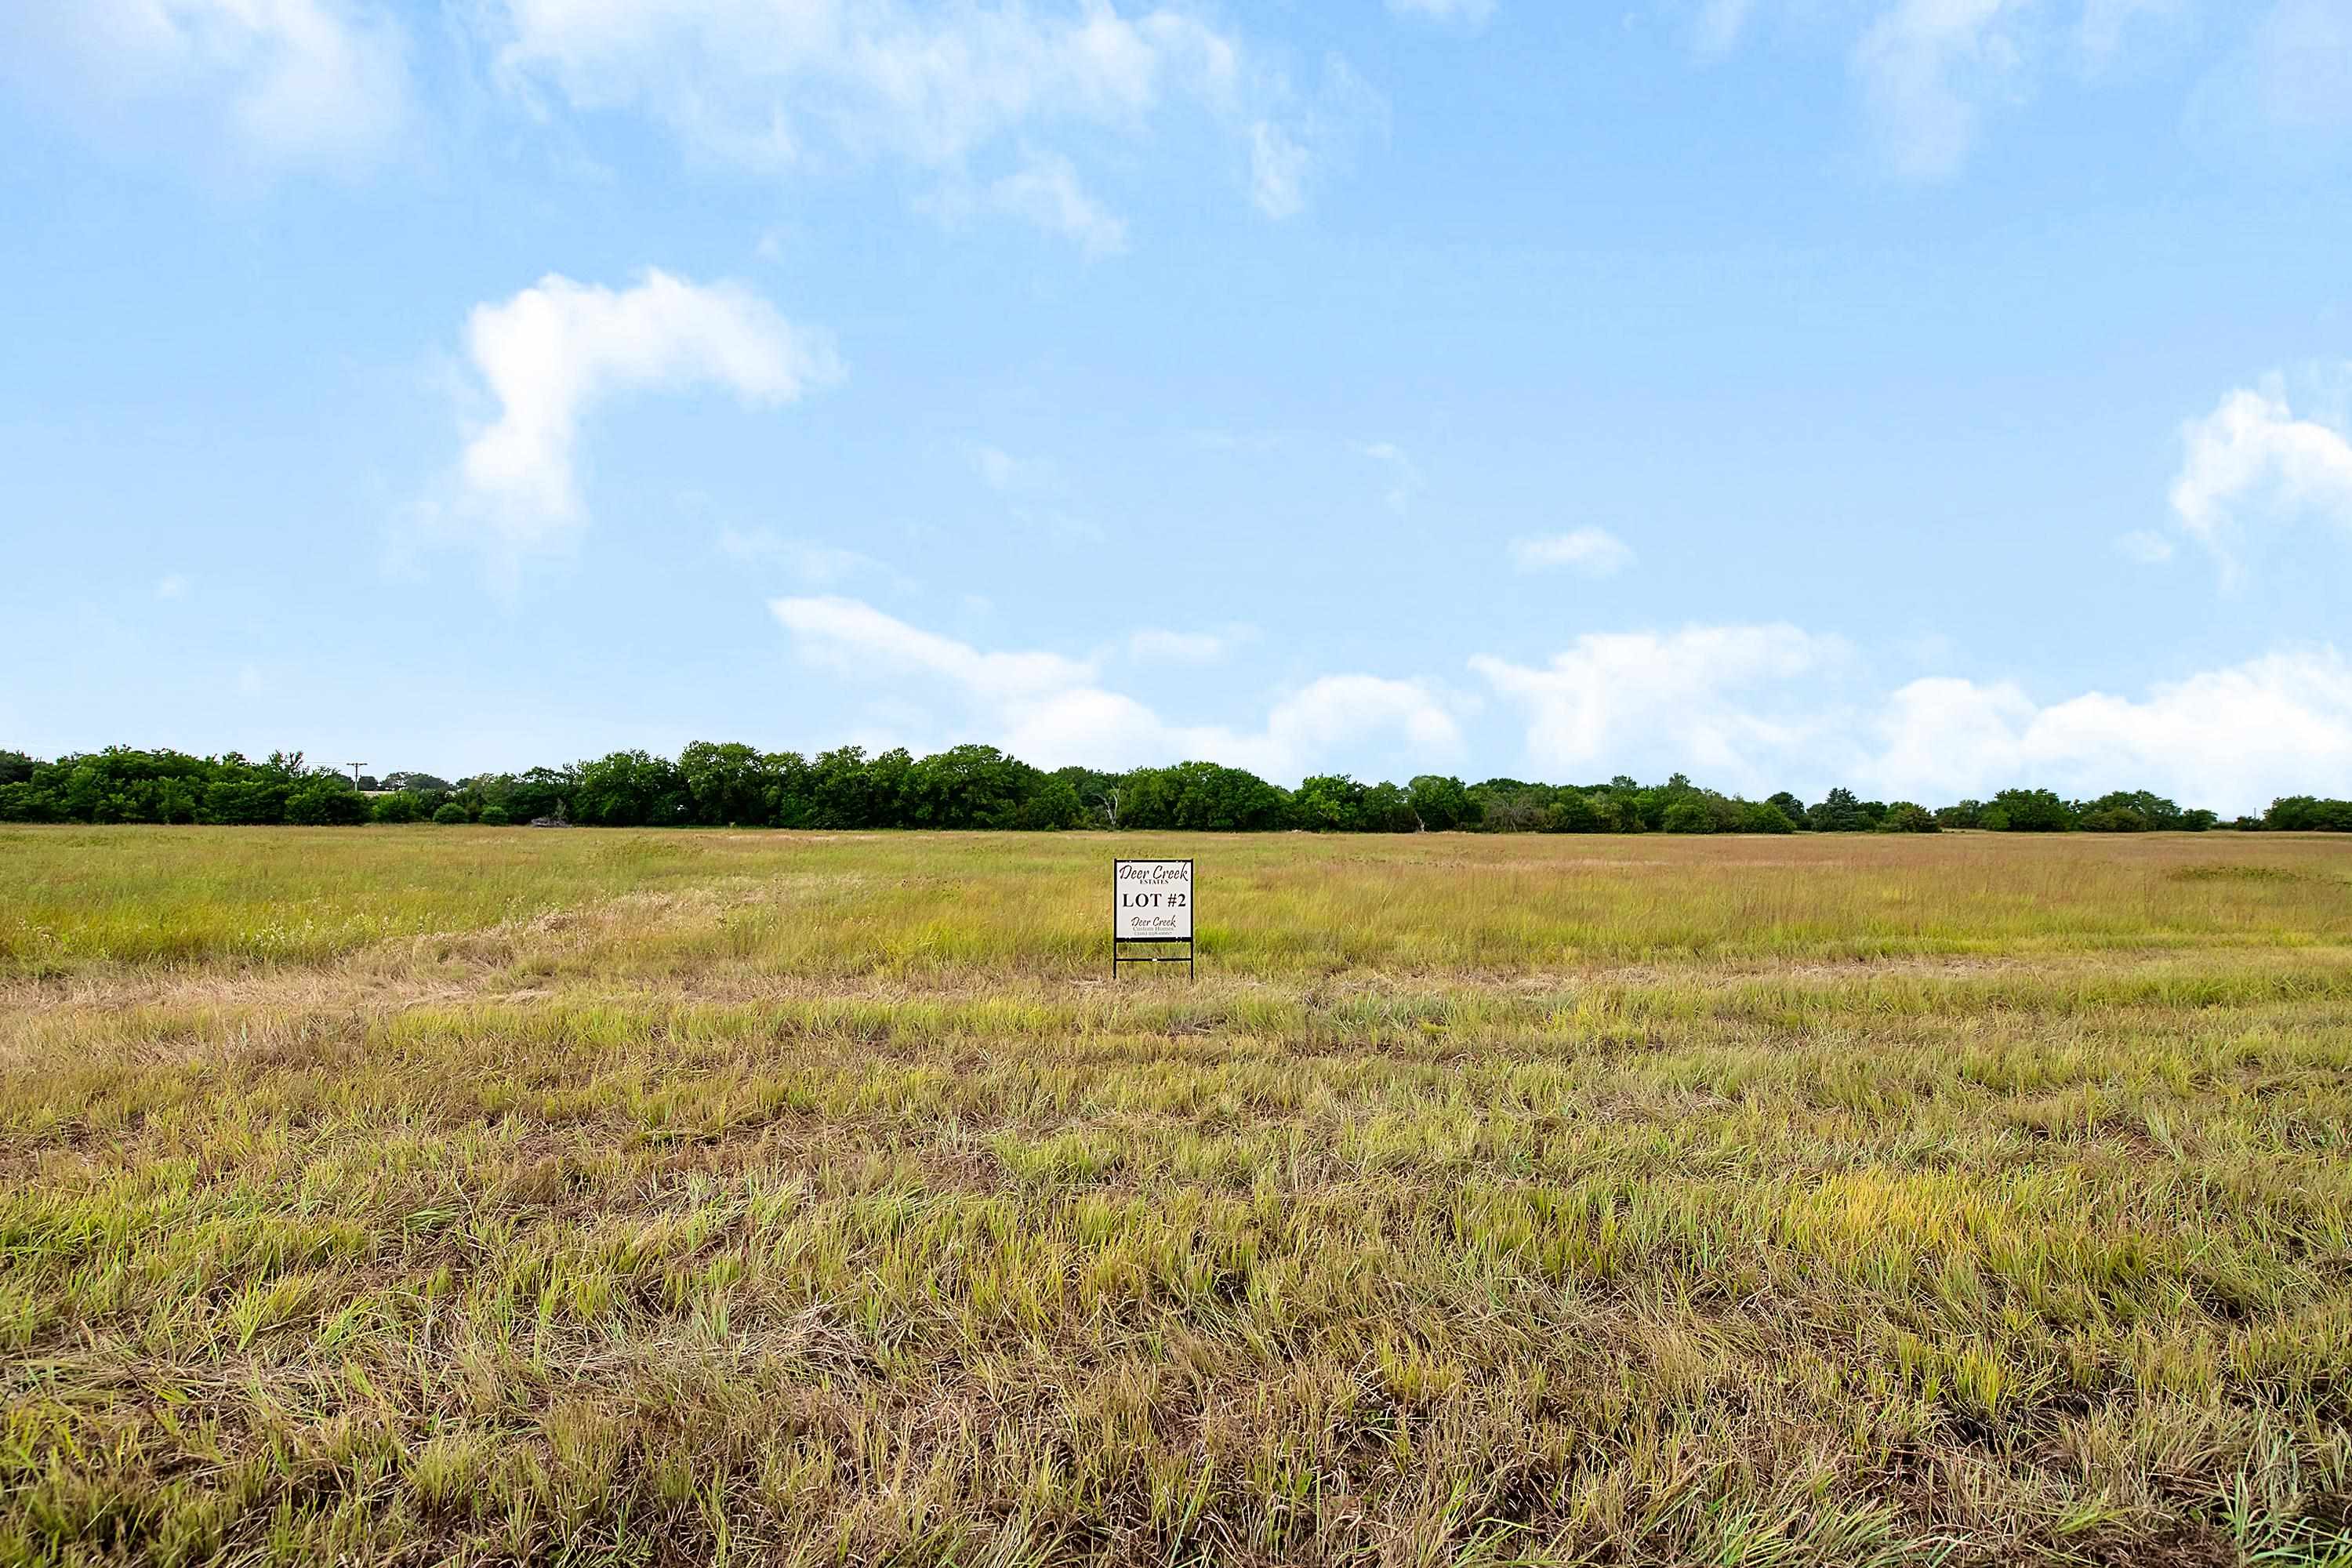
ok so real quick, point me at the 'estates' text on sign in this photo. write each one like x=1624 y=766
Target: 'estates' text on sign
x=1151 y=900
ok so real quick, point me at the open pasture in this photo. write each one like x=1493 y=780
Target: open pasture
x=449 y=1195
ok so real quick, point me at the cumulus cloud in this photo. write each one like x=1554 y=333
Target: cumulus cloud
x=555 y=350
x=2253 y=461
x=1595 y=552
x=779 y=83
x=1761 y=708
x=1049 y=709
x=1712 y=699
x=281 y=83
x=2232 y=739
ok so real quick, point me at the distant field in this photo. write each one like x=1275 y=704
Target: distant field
x=483 y=1196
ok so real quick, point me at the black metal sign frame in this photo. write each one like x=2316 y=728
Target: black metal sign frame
x=1192 y=910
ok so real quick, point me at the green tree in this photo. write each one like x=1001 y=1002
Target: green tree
x=2131 y=811
x=1440 y=804
x=1388 y=810
x=1204 y=797
x=2308 y=813
x=1687 y=816
x=1100 y=795
x=968 y=786
x=419 y=784
x=1839 y=812
x=1327 y=803
x=326 y=801
x=2030 y=811
x=400 y=806
x=1572 y=811
x=726 y=784
x=630 y=789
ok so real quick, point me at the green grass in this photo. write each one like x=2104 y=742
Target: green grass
x=446 y=1195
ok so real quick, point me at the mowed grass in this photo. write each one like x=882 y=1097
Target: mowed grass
x=443 y=1195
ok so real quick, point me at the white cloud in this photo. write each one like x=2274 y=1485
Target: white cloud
x=1718 y=25
x=1404 y=478
x=2230 y=739
x=1595 y=552
x=1049 y=711
x=1046 y=191
x=1470 y=13
x=1924 y=64
x=283 y=83
x=2282 y=101
x=1278 y=167
x=778 y=83
x=2105 y=23
x=2253 y=461
x=1771 y=707
x=1154 y=645
x=818 y=565
x=1003 y=472
x=861 y=639
x=1685 y=698
x=558 y=347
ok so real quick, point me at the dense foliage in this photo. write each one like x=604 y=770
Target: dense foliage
x=975 y=787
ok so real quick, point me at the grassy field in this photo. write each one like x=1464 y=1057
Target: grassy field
x=448 y=1194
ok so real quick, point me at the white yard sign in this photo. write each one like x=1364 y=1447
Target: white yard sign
x=1151 y=900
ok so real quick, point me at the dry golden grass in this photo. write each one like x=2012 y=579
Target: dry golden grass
x=449 y=1195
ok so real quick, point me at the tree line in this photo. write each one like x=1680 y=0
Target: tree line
x=975 y=786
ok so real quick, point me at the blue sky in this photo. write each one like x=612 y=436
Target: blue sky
x=1921 y=395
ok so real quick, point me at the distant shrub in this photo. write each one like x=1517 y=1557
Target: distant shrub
x=1689 y=816
x=2028 y=811
x=495 y=817
x=451 y=814
x=1907 y=816
x=2308 y=813
x=326 y=802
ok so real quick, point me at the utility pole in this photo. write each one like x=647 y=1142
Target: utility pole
x=355 y=768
